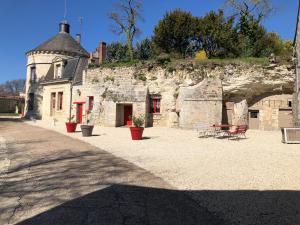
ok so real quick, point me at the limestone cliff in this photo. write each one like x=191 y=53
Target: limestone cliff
x=243 y=81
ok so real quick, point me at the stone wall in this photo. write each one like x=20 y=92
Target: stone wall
x=201 y=103
x=42 y=63
x=269 y=110
x=178 y=107
x=59 y=115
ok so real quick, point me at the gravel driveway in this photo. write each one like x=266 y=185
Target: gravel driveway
x=49 y=178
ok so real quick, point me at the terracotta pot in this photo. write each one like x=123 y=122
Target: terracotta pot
x=136 y=133
x=87 y=130
x=71 y=127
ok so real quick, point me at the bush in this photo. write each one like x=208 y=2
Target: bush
x=138 y=121
x=163 y=59
x=201 y=55
x=141 y=77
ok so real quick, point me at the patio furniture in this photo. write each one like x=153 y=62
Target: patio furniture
x=204 y=130
x=290 y=135
x=219 y=129
x=238 y=132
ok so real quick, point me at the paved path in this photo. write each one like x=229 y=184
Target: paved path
x=48 y=178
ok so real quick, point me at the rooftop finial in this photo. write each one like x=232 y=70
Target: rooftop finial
x=65 y=13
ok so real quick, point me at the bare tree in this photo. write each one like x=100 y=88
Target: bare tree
x=12 y=87
x=257 y=8
x=125 y=15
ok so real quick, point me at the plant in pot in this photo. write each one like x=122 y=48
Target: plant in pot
x=71 y=124
x=87 y=128
x=137 y=130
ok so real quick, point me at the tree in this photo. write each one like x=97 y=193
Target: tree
x=174 y=32
x=258 y=9
x=144 y=49
x=116 y=52
x=249 y=14
x=217 y=35
x=12 y=87
x=125 y=16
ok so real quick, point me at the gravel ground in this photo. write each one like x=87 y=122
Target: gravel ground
x=53 y=179
x=251 y=181
x=261 y=162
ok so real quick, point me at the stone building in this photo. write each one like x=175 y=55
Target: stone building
x=53 y=68
x=11 y=103
x=59 y=85
x=112 y=96
x=271 y=113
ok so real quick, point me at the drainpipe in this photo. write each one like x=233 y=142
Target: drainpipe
x=71 y=96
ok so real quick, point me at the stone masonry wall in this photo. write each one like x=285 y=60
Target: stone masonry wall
x=239 y=82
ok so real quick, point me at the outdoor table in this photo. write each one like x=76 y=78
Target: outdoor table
x=221 y=126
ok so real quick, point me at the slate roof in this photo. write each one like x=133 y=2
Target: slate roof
x=72 y=71
x=62 y=42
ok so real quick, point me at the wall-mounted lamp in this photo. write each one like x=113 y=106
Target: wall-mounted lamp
x=78 y=92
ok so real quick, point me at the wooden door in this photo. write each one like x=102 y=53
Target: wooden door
x=127 y=115
x=53 y=104
x=79 y=113
x=285 y=118
x=254 y=119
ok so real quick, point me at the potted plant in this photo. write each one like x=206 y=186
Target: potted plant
x=71 y=124
x=137 y=130
x=87 y=129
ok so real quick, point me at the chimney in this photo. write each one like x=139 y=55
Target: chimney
x=64 y=27
x=78 y=38
x=102 y=52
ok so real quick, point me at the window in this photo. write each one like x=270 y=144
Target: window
x=91 y=103
x=31 y=101
x=290 y=103
x=33 y=74
x=155 y=104
x=60 y=100
x=254 y=114
x=58 y=71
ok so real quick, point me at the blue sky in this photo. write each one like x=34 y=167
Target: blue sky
x=27 y=23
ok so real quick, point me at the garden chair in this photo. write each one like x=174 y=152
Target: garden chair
x=203 y=129
x=237 y=132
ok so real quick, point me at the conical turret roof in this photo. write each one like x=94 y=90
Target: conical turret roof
x=63 y=42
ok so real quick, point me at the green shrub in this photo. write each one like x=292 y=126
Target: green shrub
x=141 y=77
x=163 y=59
x=138 y=121
x=109 y=78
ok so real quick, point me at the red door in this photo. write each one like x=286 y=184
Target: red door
x=79 y=113
x=127 y=115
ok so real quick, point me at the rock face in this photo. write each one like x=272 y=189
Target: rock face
x=189 y=94
x=240 y=113
x=201 y=103
x=254 y=82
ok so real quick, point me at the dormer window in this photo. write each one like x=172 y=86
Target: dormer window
x=58 y=71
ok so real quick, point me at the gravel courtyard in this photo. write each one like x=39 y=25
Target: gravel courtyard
x=255 y=181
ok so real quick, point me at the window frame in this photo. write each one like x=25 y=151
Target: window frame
x=60 y=97
x=58 y=71
x=33 y=75
x=155 y=101
x=91 y=103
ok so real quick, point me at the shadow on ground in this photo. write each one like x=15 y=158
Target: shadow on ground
x=123 y=204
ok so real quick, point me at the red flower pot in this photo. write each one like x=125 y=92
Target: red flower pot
x=71 y=127
x=136 y=133
x=129 y=123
